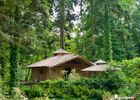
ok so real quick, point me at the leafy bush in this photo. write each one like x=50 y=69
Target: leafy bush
x=71 y=89
x=106 y=96
x=34 y=91
x=2 y=97
x=132 y=68
x=83 y=88
x=73 y=75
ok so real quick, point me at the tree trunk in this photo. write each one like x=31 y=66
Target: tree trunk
x=62 y=37
x=83 y=44
x=62 y=19
x=2 y=67
x=92 y=20
x=107 y=35
x=139 y=50
x=83 y=37
x=13 y=65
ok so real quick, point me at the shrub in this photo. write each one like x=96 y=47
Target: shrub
x=132 y=70
x=130 y=89
x=106 y=96
x=73 y=75
x=34 y=91
x=132 y=67
x=72 y=90
x=96 y=94
x=2 y=97
x=110 y=81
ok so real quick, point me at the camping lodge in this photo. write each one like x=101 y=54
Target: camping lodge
x=52 y=68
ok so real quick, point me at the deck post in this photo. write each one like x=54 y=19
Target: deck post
x=50 y=73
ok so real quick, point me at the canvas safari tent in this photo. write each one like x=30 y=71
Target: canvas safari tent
x=51 y=68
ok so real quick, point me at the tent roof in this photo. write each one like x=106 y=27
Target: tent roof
x=57 y=60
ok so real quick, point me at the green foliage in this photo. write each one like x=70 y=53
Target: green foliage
x=132 y=67
x=90 y=88
x=117 y=47
x=73 y=75
x=106 y=96
x=2 y=90
x=13 y=67
x=130 y=89
x=110 y=81
x=34 y=91
x=108 y=30
x=131 y=70
x=70 y=90
x=112 y=24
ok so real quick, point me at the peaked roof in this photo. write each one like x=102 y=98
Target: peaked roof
x=100 y=62
x=99 y=68
x=60 y=51
x=100 y=65
x=58 y=59
x=96 y=68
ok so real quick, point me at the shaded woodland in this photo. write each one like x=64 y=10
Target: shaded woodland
x=30 y=30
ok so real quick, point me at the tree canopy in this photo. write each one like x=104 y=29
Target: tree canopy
x=31 y=30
